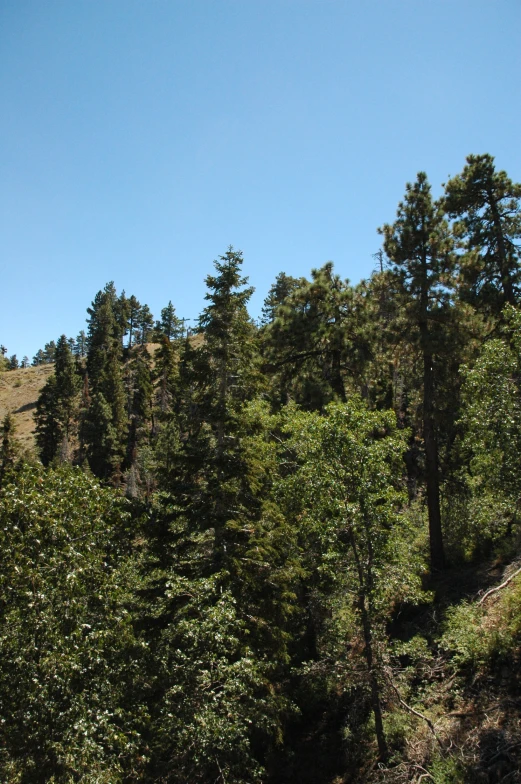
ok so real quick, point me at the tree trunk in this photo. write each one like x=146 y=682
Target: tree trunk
x=431 y=467
x=506 y=280
x=363 y=591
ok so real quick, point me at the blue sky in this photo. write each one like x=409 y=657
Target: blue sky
x=140 y=138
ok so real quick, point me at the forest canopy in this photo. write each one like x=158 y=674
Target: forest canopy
x=252 y=551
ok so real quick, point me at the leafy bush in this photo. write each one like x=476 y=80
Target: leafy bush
x=69 y=660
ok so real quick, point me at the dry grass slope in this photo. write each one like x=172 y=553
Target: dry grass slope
x=19 y=391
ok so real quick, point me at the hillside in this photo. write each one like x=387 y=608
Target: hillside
x=19 y=391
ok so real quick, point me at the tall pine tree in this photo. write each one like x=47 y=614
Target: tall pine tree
x=420 y=248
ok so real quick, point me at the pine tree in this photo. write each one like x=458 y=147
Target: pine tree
x=39 y=358
x=80 y=345
x=49 y=351
x=134 y=308
x=487 y=207
x=420 y=248
x=57 y=406
x=104 y=424
x=216 y=380
x=223 y=548
x=280 y=290
x=139 y=394
x=314 y=344
x=8 y=449
x=145 y=324
x=170 y=325
x=166 y=372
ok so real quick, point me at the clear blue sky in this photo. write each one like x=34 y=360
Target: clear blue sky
x=139 y=138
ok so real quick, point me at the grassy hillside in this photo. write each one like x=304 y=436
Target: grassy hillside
x=19 y=391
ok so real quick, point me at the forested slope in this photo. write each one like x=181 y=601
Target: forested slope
x=283 y=551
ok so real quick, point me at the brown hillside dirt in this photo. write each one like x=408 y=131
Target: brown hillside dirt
x=19 y=391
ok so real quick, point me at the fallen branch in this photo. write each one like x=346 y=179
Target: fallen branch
x=425 y=773
x=499 y=587
x=414 y=711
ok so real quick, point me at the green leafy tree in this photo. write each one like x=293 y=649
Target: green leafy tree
x=344 y=494
x=72 y=693
x=491 y=438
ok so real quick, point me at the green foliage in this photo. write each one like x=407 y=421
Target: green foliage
x=9 y=448
x=347 y=484
x=487 y=498
x=477 y=635
x=70 y=662
x=57 y=407
x=447 y=770
x=486 y=205
x=345 y=493
x=421 y=249
x=314 y=340
x=217 y=693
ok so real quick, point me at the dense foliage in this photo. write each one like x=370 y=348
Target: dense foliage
x=239 y=557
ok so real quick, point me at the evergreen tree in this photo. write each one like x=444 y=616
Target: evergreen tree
x=121 y=314
x=280 y=290
x=216 y=379
x=49 y=432
x=314 y=342
x=222 y=545
x=8 y=449
x=145 y=324
x=170 y=325
x=420 y=248
x=139 y=394
x=166 y=372
x=80 y=345
x=57 y=406
x=104 y=424
x=134 y=308
x=49 y=351
x=487 y=207
x=39 y=358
